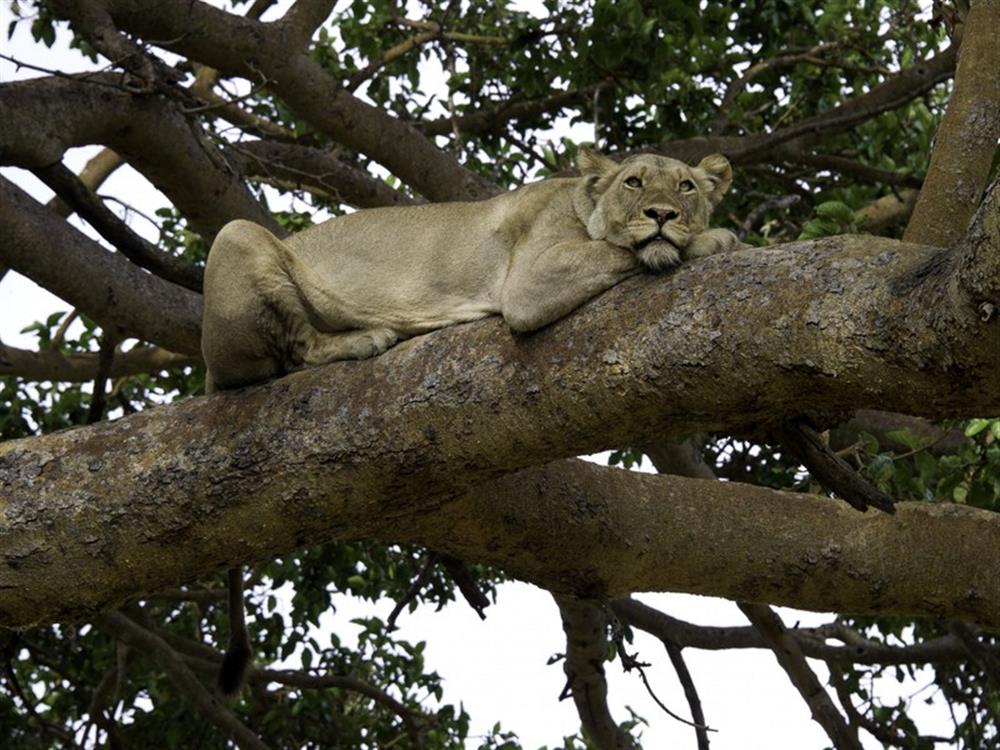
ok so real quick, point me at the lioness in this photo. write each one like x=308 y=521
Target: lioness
x=351 y=287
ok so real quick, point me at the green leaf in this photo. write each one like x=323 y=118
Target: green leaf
x=976 y=426
x=960 y=493
x=906 y=438
x=836 y=211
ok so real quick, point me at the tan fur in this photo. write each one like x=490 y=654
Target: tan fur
x=353 y=286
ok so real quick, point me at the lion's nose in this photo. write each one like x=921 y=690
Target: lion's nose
x=661 y=215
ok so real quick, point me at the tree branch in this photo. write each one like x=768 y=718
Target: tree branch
x=150 y=132
x=315 y=167
x=105 y=286
x=206 y=659
x=690 y=692
x=227 y=43
x=146 y=642
x=94 y=173
x=851 y=167
x=812 y=641
x=79 y=368
x=894 y=92
x=79 y=197
x=966 y=141
x=888 y=211
x=585 y=625
x=786 y=650
x=492 y=119
x=303 y=18
x=376 y=449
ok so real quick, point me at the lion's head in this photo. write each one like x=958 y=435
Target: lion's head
x=650 y=204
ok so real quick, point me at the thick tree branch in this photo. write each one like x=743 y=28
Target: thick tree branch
x=377 y=448
x=979 y=262
x=626 y=531
x=966 y=141
x=151 y=133
x=104 y=285
x=249 y=48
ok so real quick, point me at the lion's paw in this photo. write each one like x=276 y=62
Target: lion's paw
x=376 y=341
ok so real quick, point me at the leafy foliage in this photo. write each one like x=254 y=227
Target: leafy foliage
x=639 y=74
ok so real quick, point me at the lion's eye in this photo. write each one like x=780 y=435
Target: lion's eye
x=686 y=186
x=633 y=182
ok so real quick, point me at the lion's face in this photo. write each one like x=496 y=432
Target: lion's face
x=650 y=204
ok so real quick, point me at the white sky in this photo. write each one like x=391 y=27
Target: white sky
x=497 y=668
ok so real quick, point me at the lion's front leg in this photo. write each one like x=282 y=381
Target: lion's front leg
x=710 y=242
x=547 y=283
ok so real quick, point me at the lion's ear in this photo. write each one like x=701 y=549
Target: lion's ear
x=593 y=163
x=720 y=175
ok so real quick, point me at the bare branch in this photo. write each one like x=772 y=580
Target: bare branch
x=313 y=167
x=79 y=197
x=812 y=641
x=104 y=285
x=77 y=368
x=94 y=173
x=790 y=657
x=148 y=643
x=690 y=692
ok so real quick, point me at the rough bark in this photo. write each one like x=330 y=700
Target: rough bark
x=377 y=448
x=966 y=141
